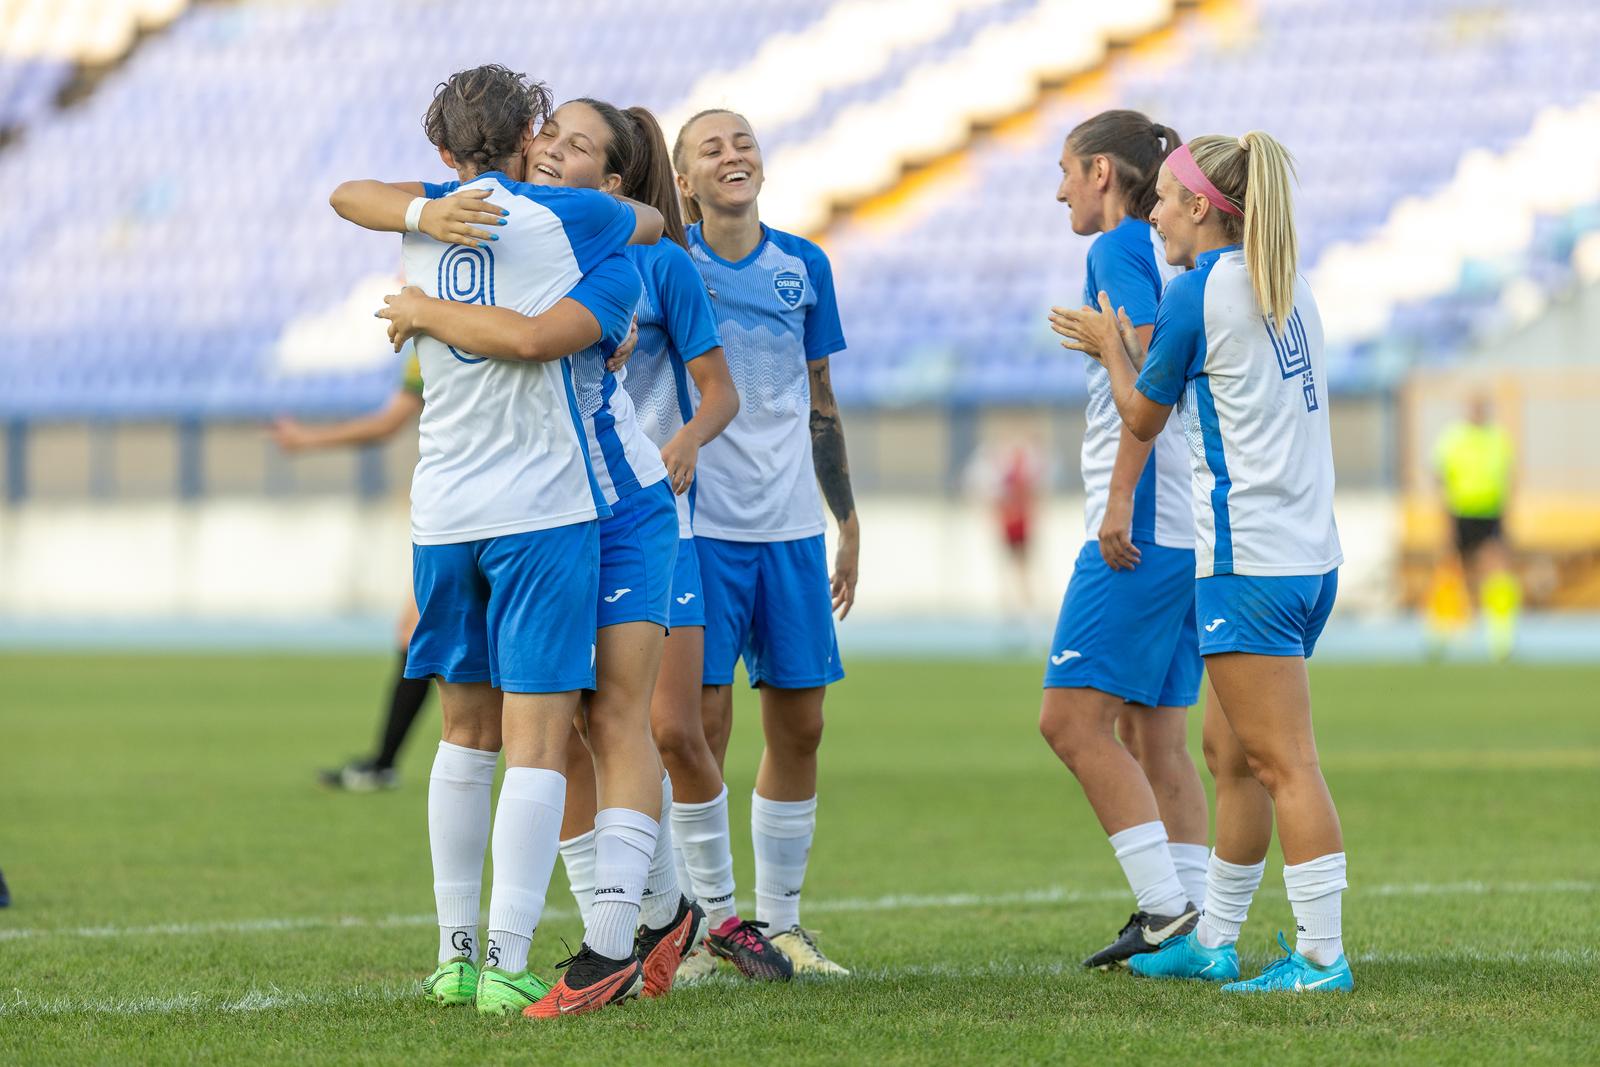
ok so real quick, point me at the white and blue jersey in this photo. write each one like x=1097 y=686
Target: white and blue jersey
x=623 y=458
x=503 y=447
x=1255 y=410
x=676 y=327
x=777 y=312
x=1127 y=263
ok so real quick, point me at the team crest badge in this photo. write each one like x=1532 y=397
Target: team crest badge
x=790 y=287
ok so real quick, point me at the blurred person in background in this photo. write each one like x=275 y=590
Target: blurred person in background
x=406 y=695
x=1475 y=462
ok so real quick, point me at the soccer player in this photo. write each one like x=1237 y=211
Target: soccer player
x=591 y=144
x=1476 y=467
x=759 y=528
x=406 y=695
x=505 y=510
x=679 y=361
x=1125 y=644
x=1238 y=340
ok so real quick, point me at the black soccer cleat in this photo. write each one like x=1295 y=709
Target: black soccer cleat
x=1143 y=933
x=741 y=943
x=5 y=893
x=661 y=951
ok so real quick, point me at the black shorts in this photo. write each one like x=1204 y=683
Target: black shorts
x=1472 y=533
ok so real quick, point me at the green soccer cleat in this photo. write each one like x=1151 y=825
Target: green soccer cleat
x=454 y=983
x=500 y=993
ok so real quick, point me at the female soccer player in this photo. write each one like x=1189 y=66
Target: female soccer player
x=1125 y=644
x=505 y=504
x=591 y=144
x=1239 y=340
x=759 y=525
x=406 y=695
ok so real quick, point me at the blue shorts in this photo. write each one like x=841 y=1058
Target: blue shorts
x=1129 y=633
x=638 y=545
x=770 y=602
x=688 y=607
x=1276 y=616
x=515 y=611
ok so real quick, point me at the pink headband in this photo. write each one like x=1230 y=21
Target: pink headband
x=1192 y=178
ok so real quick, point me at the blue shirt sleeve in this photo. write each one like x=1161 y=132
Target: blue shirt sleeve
x=434 y=190
x=610 y=291
x=1178 y=344
x=823 y=334
x=1125 y=268
x=596 y=224
x=684 y=302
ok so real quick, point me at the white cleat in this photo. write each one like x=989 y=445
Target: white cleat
x=801 y=947
x=699 y=964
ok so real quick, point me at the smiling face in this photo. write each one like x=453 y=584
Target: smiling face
x=720 y=165
x=1083 y=189
x=570 y=149
x=1174 y=219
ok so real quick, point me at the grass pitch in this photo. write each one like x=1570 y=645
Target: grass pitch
x=185 y=894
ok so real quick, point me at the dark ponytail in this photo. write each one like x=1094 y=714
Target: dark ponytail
x=648 y=178
x=1136 y=147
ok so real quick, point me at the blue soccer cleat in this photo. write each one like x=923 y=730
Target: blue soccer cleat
x=1296 y=974
x=1185 y=957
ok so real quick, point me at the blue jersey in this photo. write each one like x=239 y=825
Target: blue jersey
x=676 y=327
x=1255 y=411
x=624 y=459
x=777 y=313
x=1129 y=264
x=503 y=447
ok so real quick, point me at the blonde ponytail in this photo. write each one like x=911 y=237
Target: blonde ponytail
x=1254 y=171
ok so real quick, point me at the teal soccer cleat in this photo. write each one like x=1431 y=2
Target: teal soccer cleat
x=1186 y=957
x=1296 y=974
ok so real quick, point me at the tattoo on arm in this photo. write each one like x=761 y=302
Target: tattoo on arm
x=827 y=444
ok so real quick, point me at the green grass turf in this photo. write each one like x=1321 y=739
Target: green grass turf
x=145 y=791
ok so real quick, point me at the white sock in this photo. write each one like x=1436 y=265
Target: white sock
x=1190 y=861
x=1315 y=888
x=577 y=855
x=624 y=841
x=701 y=832
x=527 y=834
x=1229 y=889
x=458 y=833
x=661 y=893
x=1142 y=851
x=781 y=831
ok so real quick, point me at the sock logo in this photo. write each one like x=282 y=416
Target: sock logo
x=618 y=595
x=792 y=893
x=492 y=957
x=610 y=891
x=723 y=899
x=461 y=941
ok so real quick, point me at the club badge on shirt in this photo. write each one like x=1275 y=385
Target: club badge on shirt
x=790 y=287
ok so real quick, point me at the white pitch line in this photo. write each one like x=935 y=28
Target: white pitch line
x=893 y=902
x=273 y=999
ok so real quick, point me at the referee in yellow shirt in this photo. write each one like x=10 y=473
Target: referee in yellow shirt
x=1475 y=463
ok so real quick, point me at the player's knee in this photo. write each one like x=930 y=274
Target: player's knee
x=482 y=736
x=681 y=743
x=1069 y=735
x=1225 y=762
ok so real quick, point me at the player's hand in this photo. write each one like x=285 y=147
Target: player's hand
x=1116 y=534
x=1092 y=331
x=402 y=309
x=680 y=456
x=624 y=352
x=846 y=566
x=291 y=436
x=458 y=219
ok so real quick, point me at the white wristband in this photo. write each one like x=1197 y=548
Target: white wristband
x=414 y=214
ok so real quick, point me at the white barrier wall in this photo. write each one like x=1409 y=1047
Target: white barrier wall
x=254 y=558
